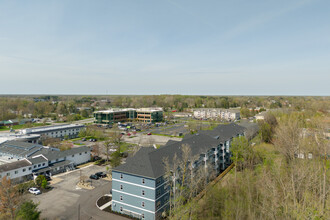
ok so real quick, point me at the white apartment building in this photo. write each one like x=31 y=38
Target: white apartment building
x=214 y=113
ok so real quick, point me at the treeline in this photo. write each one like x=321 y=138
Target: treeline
x=288 y=178
x=47 y=106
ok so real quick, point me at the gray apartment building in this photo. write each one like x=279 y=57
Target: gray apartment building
x=139 y=187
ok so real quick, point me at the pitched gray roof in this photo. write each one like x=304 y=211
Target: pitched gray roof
x=52 y=154
x=19 y=149
x=14 y=165
x=224 y=132
x=148 y=162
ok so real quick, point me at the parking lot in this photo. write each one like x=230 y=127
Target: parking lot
x=67 y=201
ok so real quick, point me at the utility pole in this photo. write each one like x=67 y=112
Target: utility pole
x=78 y=211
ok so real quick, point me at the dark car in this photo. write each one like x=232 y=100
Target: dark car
x=48 y=178
x=100 y=174
x=94 y=177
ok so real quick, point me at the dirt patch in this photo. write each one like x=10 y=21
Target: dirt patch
x=85 y=185
x=55 y=180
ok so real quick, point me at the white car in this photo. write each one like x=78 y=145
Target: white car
x=34 y=191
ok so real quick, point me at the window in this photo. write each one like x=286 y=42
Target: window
x=158 y=205
x=34 y=166
x=39 y=165
x=16 y=172
x=121 y=198
x=8 y=174
x=121 y=176
x=121 y=187
x=142 y=204
x=142 y=215
x=56 y=160
x=72 y=155
x=143 y=181
x=158 y=181
x=85 y=152
x=143 y=192
x=158 y=193
x=30 y=168
x=43 y=164
x=121 y=208
x=24 y=170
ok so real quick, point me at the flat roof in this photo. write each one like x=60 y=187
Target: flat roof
x=16 y=136
x=151 y=109
x=50 y=128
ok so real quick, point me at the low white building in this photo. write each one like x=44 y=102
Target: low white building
x=17 y=171
x=56 y=131
x=40 y=159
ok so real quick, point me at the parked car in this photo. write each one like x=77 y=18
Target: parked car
x=84 y=139
x=101 y=174
x=94 y=177
x=149 y=133
x=97 y=158
x=34 y=191
x=48 y=178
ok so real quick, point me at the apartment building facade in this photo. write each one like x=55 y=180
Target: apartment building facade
x=217 y=113
x=139 y=187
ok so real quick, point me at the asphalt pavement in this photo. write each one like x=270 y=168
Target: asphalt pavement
x=67 y=201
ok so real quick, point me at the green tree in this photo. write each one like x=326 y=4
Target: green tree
x=266 y=132
x=41 y=181
x=28 y=211
x=239 y=149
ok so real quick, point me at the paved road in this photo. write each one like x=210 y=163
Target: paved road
x=62 y=202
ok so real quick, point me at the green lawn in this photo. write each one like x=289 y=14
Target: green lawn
x=15 y=127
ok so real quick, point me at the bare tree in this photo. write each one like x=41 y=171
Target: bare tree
x=9 y=199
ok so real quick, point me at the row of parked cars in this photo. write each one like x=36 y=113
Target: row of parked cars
x=98 y=175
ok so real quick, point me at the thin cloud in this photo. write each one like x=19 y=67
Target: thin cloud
x=262 y=19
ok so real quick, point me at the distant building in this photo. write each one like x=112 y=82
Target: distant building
x=12 y=122
x=56 y=131
x=261 y=116
x=150 y=114
x=217 y=113
x=119 y=115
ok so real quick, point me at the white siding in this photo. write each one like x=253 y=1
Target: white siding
x=79 y=159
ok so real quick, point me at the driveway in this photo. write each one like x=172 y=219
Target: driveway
x=66 y=201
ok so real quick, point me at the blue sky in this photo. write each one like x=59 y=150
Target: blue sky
x=209 y=47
